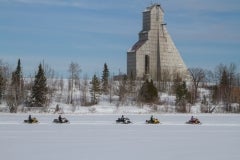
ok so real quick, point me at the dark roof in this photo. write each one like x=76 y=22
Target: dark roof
x=153 y=5
x=137 y=45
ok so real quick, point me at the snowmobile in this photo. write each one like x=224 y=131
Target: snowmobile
x=123 y=120
x=33 y=120
x=152 y=121
x=193 y=121
x=64 y=120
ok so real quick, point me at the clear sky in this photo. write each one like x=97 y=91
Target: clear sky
x=92 y=32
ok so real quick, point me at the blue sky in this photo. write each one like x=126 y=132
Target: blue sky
x=92 y=32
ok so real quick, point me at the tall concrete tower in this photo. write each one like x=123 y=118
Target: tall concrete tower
x=154 y=53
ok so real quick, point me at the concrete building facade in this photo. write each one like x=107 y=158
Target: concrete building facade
x=154 y=53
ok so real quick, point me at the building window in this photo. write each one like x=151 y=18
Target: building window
x=146 y=64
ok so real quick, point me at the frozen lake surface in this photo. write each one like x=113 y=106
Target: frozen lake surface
x=98 y=137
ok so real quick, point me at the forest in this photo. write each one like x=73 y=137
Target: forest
x=221 y=88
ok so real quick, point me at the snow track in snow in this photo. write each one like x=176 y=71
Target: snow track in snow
x=114 y=123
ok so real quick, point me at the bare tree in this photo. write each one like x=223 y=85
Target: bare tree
x=166 y=78
x=74 y=70
x=4 y=77
x=218 y=75
x=226 y=85
x=59 y=87
x=209 y=77
x=122 y=92
x=84 y=90
x=61 y=84
x=197 y=75
x=138 y=86
x=2 y=85
x=49 y=72
x=111 y=88
x=51 y=80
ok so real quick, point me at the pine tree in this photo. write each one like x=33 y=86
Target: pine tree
x=181 y=96
x=39 y=89
x=148 y=92
x=224 y=85
x=16 y=94
x=17 y=82
x=225 y=89
x=95 y=89
x=105 y=77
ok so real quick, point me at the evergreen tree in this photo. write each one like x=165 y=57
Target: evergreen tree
x=224 y=83
x=17 y=82
x=181 y=96
x=226 y=76
x=16 y=94
x=148 y=92
x=39 y=89
x=225 y=89
x=95 y=89
x=105 y=77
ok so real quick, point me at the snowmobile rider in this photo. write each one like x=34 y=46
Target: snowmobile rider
x=151 y=119
x=30 y=118
x=122 y=117
x=60 y=118
x=193 y=119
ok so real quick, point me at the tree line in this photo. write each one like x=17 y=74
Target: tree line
x=222 y=87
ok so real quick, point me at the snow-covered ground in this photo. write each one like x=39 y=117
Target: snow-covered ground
x=98 y=137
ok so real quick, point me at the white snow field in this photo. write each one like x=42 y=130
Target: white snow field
x=98 y=137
